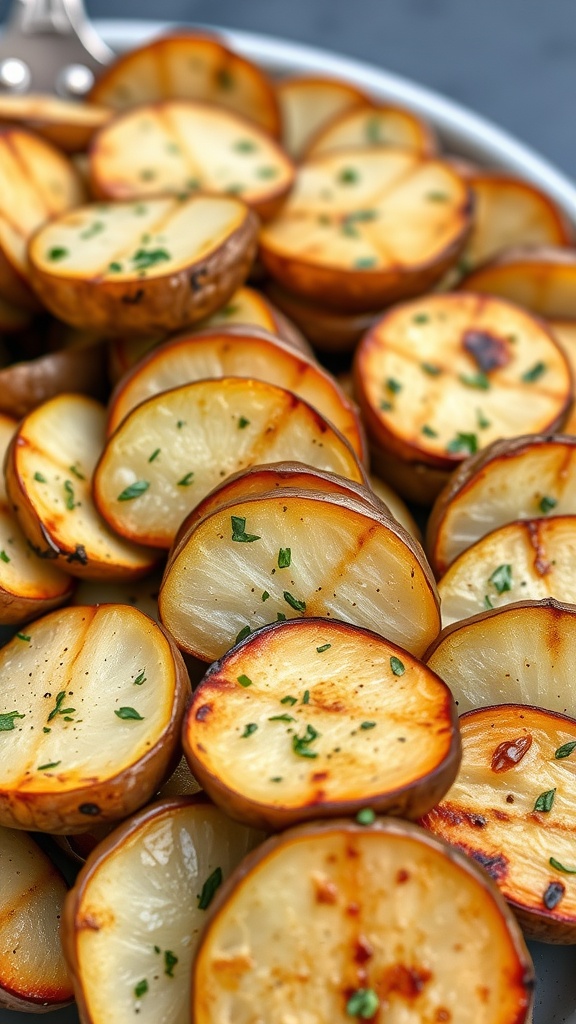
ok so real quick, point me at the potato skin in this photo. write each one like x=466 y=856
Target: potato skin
x=24 y=386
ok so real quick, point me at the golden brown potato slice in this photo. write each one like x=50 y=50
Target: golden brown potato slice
x=133 y=919
x=311 y=719
x=520 y=654
x=29 y=586
x=25 y=385
x=514 y=479
x=364 y=227
x=143 y=267
x=37 y=183
x=528 y=560
x=69 y=124
x=92 y=701
x=237 y=352
x=310 y=102
x=171 y=450
x=443 y=376
x=541 y=278
x=377 y=126
x=408 y=930
x=49 y=469
x=346 y=560
x=33 y=973
x=565 y=333
x=189 y=65
x=511 y=809
x=326 y=330
x=178 y=146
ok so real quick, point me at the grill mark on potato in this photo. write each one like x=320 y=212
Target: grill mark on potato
x=167 y=116
x=319 y=604
x=535 y=535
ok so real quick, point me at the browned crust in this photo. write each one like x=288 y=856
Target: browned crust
x=15 y=609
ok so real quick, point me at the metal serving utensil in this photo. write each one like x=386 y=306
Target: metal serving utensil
x=50 y=46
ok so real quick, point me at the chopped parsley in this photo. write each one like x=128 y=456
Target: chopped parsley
x=45 y=767
x=565 y=750
x=545 y=800
x=154 y=455
x=366 y=816
x=368 y=725
x=141 y=988
x=560 y=867
x=481 y=420
x=385 y=405
x=135 y=490
x=430 y=368
x=239 y=531
x=280 y=617
x=487 y=602
x=547 y=503
x=294 y=602
x=348 y=176
x=4 y=556
x=58 y=709
x=429 y=431
x=306 y=697
x=249 y=730
x=77 y=473
x=394 y=386
x=40 y=479
x=282 y=718
x=212 y=883
x=7 y=720
x=186 y=480
x=397 y=666
x=265 y=595
x=24 y=636
x=301 y=744
x=143 y=259
x=267 y=172
x=244 y=632
x=114 y=267
x=170 y=961
x=244 y=146
x=363 y=1003
x=501 y=578
x=244 y=680
x=93 y=229
x=243 y=423
x=57 y=253
x=475 y=380
x=324 y=647
x=534 y=373
x=127 y=714
x=467 y=443
x=421 y=318
x=69 y=496
x=294 y=700
x=140 y=678
x=284 y=558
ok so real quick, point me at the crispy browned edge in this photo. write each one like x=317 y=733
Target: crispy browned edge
x=350 y=290
x=525 y=980
x=468 y=473
x=429 y=139
x=274 y=128
x=240 y=333
x=522 y=255
x=71 y=926
x=327 y=330
x=115 y=797
x=168 y=302
x=404 y=801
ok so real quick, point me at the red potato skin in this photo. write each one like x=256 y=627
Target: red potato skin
x=24 y=386
x=53 y=1001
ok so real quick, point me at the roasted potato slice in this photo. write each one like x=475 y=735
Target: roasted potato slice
x=29 y=586
x=520 y=654
x=346 y=560
x=514 y=479
x=334 y=921
x=143 y=267
x=540 y=278
x=237 y=352
x=33 y=973
x=49 y=467
x=129 y=956
x=189 y=65
x=565 y=333
x=172 y=449
x=376 y=126
x=365 y=227
x=311 y=719
x=64 y=767
x=67 y=123
x=511 y=809
x=396 y=506
x=528 y=560
x=179 y=146
x=37 y=183
x=310 y=102
x=328 y=331
x=442 y=376
x=25 y=385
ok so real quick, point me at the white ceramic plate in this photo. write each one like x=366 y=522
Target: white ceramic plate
x=471 y=136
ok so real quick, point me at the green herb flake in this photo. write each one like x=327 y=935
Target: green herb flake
x=366 y=816
x=481 y=420
x=7 y=720
x=301 y=744
x=40 y=479
x=69 y=496
x=363 y=1003
x=284 y=558
x=325 y=647
x=45 y=767
x=225 y=81
x=294 y=700
x=114 y=267
x=282 y=718
x=534 y=373
x=475 y=380
x=267 y=172
x=280 y=617
x=547 y=503
x=186 y=480
x=421 y=318
x=244 y=632
x=249 y=730
x=429 y=431
x=128 y=714
x=306 y=697
x=244 y=680
x=265 y=595
x=239 y=531
x=244 y=146
x=365 y=262
x=24 y=636
x=57 y=253
x=212 y=883
x=4 y=556
x=147 y=174
x=46 y=729
x=243 y=423
x=560 y=867
x=180 y=424
x=173 y=148
x=501 y=578
x=467 y=443
x=431 y=369
x=57 y=709
x=394 y=386
x=154 y=455
x=348 y=176
x=141 y=988
x=294 y=602
x=140 y=678
x=135 y=490
x=143 y=259
x=368 y=725
x=77 y=473
x=487 y=602
x=277 y=778
x=565 y=750
x=385 y=405
x=93 y=229
x=229 y=310
x=170 y=961
x=545 y=800
x=437 y=197
x=397 y=666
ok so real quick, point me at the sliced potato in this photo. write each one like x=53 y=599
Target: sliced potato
x=49 y=467
x=514 y=479
x=237 y=352
x=67 y=123
x=37 y=183
x=397 y=507
x=189 y=65
x=365 y=227
x=310 y=102
x=171 y=450
x=25 y=385
x=311 y=719
x=348 y=560
x=29 y=586
x=565 y=333
x=92 y=701
x=408 y=929
x=527 y=560
x=376 y=126
x=541 y=278
x=179 y=146
x=141 y=594
x=520 y=654
x=33 y=973
x=512 y=810
x=442 y=376
x=143 y=267
x=328 y=331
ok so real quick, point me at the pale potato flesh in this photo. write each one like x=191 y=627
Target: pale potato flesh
x=32 y=966
x=520 y=654
x=380 y=126
x=201 y=433
x=565 y=333
x=397 y=506
x=179 y=146
x=309 y=103
x=534 y=479
x=329 y=910
x=69 y=124
x=426 y=384
x=528 y=560
x=508 y=762
x=542 y=280
x=140 y=902
x=347 y=562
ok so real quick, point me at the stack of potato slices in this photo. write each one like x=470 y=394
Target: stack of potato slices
x=225 y=302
